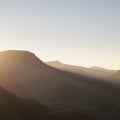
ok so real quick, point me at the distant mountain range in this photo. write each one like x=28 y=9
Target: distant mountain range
x=94 y=71
x=24 y=74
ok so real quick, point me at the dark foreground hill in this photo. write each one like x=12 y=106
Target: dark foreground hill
x=25 y=75
x=15 y=108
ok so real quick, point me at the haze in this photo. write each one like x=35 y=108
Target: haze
x=79 y=32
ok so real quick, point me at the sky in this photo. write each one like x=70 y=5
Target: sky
x=77 y=32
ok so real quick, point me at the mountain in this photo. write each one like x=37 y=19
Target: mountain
x=115 y=75
x=97 y=68
x=94 y=71
x=15 y=108
x=25 y=75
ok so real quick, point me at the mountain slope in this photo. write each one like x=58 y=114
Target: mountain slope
x=115 y=75
x=22 y=73
x=94 y=71
x=14 y=108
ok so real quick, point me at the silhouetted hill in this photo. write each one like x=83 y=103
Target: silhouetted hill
x=21 y=57
x=22 y=73
x=65 y=67
x=14 y=108
x=94 y=71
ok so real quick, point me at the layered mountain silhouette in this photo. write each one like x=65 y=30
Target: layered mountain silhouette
x=24 y=74
x=94 y=71
x=15 y=108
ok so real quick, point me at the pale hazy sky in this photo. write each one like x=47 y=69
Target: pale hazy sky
x=79 y=32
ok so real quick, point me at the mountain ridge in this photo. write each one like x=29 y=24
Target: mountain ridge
x=57 y=88
x=93 y=71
